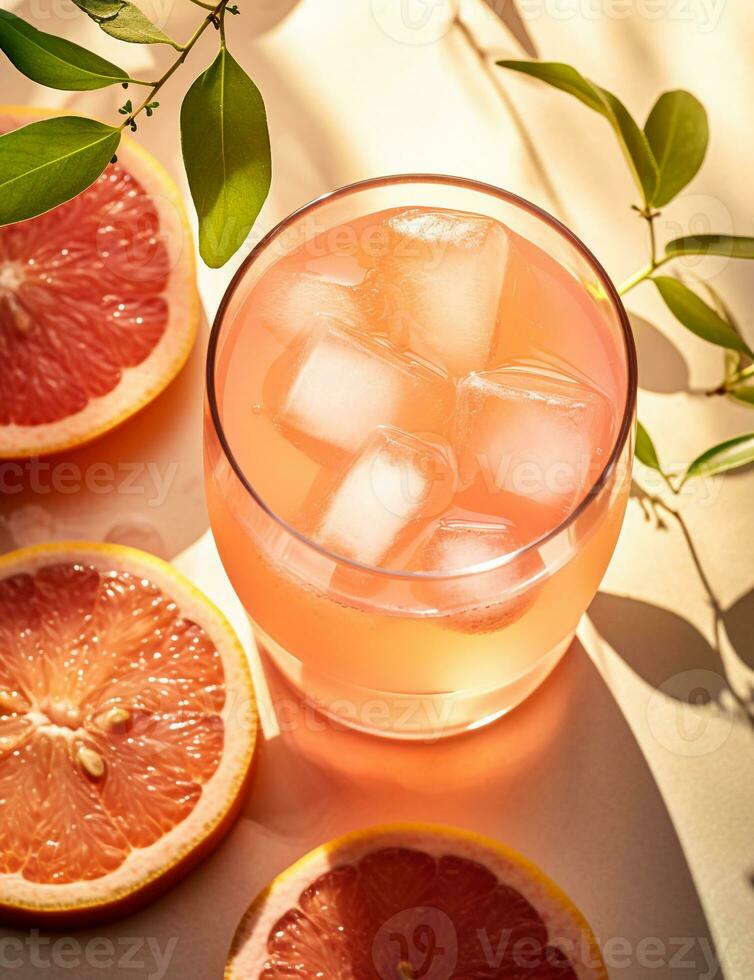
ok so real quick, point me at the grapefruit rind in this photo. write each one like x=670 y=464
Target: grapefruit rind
x=141 y=384
x=146 y=872
x=559 y=914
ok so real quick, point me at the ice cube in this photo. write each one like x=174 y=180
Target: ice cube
x=288 y=302
x=396 y=480
x=345 y=386
x=454 y=545
x=536 y=435
x=481 y=600
x=445 y=273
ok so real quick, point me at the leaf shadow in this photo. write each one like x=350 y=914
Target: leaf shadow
x=659 y=644
x=528 y=779
x=533 y=779
x=738 y=621
x=656 y=643
x=662 y=367
x=510 y=15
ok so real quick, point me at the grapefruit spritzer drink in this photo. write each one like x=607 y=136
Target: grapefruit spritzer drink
x=420 y=398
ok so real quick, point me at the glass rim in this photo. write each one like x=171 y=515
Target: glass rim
x=474 y=185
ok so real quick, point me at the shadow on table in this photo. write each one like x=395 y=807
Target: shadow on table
x=662 y=367
x=654 y=642
x=561 y=779
x=509 y=13
x=660 y=645
x=738 y=624
x=140 y=484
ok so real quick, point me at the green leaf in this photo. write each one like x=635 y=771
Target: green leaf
x=743 y=394
x=697 y=316
x=678 y=134
x=737 y=360
x=726 y=456
x=124 y=20
x=719 y=305
x=53 y=61
x=226 y=152
x=734 y=361
x=633 y=142
x=49 y=162
x=644 y=449
x=731 y=246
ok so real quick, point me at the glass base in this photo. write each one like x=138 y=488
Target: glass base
x=419 y=717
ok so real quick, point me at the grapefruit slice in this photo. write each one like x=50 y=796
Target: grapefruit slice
x=414 y=901
x=127 y=730
x=98 y=304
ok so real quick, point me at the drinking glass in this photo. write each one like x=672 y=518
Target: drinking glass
x=392 y=652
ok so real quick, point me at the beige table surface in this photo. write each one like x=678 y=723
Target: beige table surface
x=628 y=776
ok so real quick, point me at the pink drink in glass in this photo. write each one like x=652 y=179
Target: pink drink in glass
x=420 y=399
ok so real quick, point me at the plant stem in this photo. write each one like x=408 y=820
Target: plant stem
x=650 y=219
x=207 y=6
x=647 y=272
x=730 y=383
x=654 y=262
x=669 y=484
x=643 y=274
x=212 y=17
x=221 y=19
x=741 y=375
x=638 y=277
x=718 y=622
x=706 y=584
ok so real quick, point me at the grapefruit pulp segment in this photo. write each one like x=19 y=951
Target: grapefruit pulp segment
x=98 y=304
x=127 y=728
x=410 y=901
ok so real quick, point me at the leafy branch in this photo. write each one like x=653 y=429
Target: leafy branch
x=663 y=157
x=721 y=458
x=213 y=17
x=224 y=136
